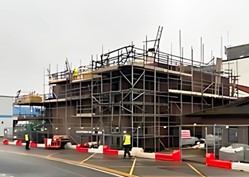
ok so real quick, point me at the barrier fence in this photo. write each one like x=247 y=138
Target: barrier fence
x=224 y=146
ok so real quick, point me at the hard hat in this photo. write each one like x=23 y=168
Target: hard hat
x=124 y=131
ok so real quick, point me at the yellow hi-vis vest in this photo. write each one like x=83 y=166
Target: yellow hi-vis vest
x=26 y=137
x=127 y=139
x=75 y=72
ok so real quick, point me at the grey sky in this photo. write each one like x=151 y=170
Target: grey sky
x=34 y=34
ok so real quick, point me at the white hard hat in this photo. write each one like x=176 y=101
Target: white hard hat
x=124 y=131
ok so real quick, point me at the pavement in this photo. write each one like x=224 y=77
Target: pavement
x=122 y=167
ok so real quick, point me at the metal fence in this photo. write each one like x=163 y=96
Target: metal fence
x=203 y=139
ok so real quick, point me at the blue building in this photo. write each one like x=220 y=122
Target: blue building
x=27 y=111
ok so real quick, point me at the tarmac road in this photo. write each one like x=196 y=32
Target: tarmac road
x=15 y=161
x=18 y=165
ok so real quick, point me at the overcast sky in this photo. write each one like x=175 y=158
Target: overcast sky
x=34 y=34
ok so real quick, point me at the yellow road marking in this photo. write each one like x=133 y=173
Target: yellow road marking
x=83 y=161
x=198 y=172
x=132 y=167
x=48 y=156
x=75 y=163
x=108 y=170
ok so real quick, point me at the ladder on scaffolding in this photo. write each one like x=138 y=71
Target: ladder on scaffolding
x=157 y=40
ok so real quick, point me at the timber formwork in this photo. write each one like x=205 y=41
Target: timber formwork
x=143 y=91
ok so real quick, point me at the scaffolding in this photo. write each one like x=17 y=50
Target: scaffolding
x=143 y=91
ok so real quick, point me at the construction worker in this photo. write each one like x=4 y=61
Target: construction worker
x=27 y=140
x=75 y=73
x=126 y=144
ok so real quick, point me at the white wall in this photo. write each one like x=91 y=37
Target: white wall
x=6 y=113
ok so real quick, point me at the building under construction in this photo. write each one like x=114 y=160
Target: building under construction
x=143 y=91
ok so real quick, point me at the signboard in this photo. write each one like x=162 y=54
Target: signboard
x=88 y=132
x=185 y=133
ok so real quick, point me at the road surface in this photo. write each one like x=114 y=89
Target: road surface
x=15 y=161
x=15 y=165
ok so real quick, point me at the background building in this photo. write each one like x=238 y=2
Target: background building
x=6 y=114
x=236 y=63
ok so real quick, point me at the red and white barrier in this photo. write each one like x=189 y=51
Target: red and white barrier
x=240 y=166
x=135 y=151
x=212 y=161
x=139 y=152
x=19 y=142
x=70 y=146
x=174 y=156
x=5 y=142
x=98 y=150
x=79 y=148
x=12 y=142
x=33 y=144
x=147 y=155
x=41 y=145
x=107 y=150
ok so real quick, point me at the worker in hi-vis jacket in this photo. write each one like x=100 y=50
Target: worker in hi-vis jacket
x=27 y=140
x=126 y=144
